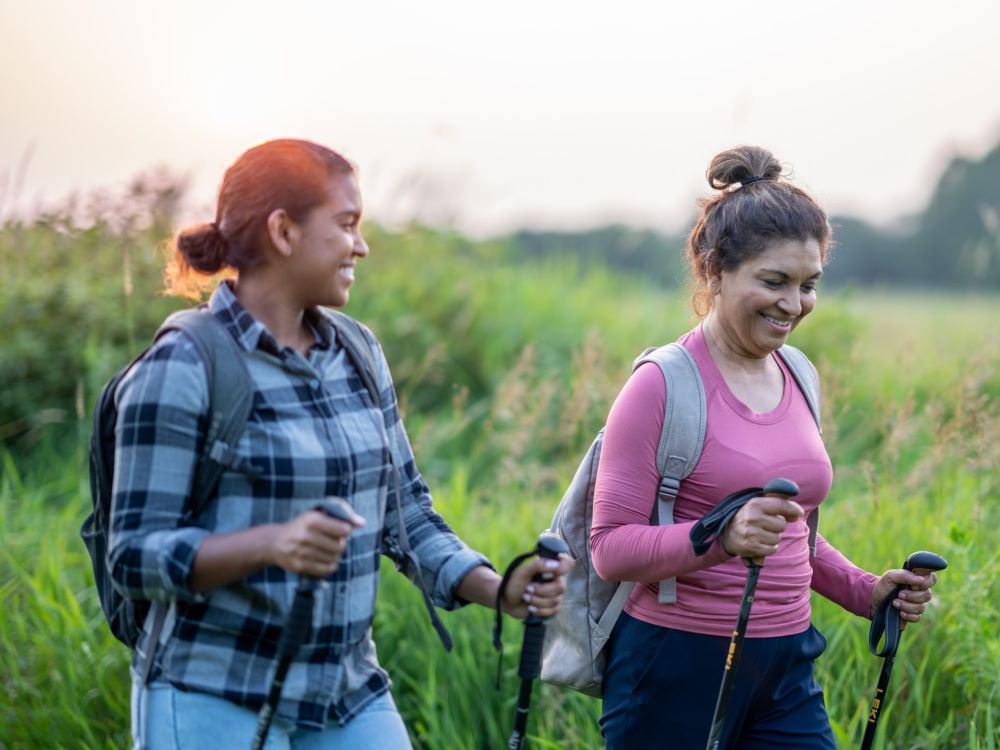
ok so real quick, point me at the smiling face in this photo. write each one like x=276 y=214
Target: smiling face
x=758 y=304
x=326 y=246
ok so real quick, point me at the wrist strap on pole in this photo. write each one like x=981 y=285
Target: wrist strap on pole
x=498 y=624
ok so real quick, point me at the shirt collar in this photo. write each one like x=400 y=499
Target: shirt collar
x=249 y=332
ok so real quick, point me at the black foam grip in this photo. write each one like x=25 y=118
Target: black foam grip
x=531 y=649
x=335 y=508
x=924 y=560
x=886 y=621
x=550 y=546
x=781 y=486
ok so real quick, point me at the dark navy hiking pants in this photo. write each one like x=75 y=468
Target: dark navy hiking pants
x=661 y=685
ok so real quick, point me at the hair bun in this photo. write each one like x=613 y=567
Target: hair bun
x=740 y=164
x=203 y=247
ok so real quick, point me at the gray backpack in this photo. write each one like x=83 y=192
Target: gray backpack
x=573 y=652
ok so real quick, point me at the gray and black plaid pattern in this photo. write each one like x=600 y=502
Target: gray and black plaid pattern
x=314 y=432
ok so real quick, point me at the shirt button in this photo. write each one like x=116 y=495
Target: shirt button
x=342 y=589
x=314 y=384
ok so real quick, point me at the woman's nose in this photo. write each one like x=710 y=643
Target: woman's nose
x=791 y=303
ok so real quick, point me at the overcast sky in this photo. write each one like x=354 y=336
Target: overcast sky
x=491 y=116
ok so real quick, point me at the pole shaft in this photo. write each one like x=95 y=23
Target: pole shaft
x=550 y=547
x=291 y=638
x=521 y=715
x=732 y=659
x=878 y=703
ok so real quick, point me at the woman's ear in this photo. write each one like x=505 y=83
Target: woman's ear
x=282 y=231
x=710 y=272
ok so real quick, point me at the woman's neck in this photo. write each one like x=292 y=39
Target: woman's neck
x=757 y=382
x=729 y=357
x=283 y=318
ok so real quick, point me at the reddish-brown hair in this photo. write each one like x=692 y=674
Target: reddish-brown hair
x=288 y=174
x=754 y=207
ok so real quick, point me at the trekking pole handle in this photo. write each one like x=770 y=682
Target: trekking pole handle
x=300 y=614
x=335 y=507
x=296 y=626
x=885 y=622
x=781 y=487
x=777 y=487
x=550 y=547
x=924 y=562
x=921 y=563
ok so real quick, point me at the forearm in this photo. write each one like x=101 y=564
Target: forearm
x=225 y=558
x=841 y=581
x=479 y=586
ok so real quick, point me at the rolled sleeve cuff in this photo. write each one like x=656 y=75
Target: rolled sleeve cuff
x=175 y=561
x=452 y=574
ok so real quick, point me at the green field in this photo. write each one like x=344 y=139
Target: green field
x=912 y=422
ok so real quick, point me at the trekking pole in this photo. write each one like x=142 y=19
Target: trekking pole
x=294 y=632
x=549 y=546
x=706 y=531
x=886 y=620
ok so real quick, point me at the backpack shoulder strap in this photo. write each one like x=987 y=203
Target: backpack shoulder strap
x=808 y=381
x=230 y=398
x=352 y=337
x=684 y=417
x=683 y=434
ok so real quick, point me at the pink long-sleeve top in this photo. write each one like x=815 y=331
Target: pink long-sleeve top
x=742 y=449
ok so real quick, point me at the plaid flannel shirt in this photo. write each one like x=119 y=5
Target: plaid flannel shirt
x=314 y=431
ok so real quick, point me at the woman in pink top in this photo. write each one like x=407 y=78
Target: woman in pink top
x=756 y=252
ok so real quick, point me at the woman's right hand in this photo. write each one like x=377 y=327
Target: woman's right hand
x=756 y=529
x=312 y=543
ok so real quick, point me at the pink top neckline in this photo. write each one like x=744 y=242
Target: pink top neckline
x=710 y=372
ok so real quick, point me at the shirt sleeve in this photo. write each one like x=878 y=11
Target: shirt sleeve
x=158 y=435
x=444 y=559
x=624 y=546
x=841 y=581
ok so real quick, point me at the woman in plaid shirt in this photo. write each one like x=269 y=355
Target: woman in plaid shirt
x=288 y=226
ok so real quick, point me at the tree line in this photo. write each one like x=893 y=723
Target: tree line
x=953 y=243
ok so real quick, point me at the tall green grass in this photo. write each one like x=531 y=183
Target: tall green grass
x=505 y=372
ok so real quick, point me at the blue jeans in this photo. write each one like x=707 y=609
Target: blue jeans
x=165 y=718
x=661 y=685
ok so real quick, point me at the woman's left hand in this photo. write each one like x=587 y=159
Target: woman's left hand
x=525 y=597
x=911 y=601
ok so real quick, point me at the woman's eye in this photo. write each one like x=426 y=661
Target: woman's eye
x=773 y=284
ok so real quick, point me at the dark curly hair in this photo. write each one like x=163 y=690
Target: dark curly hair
x=754 y=206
